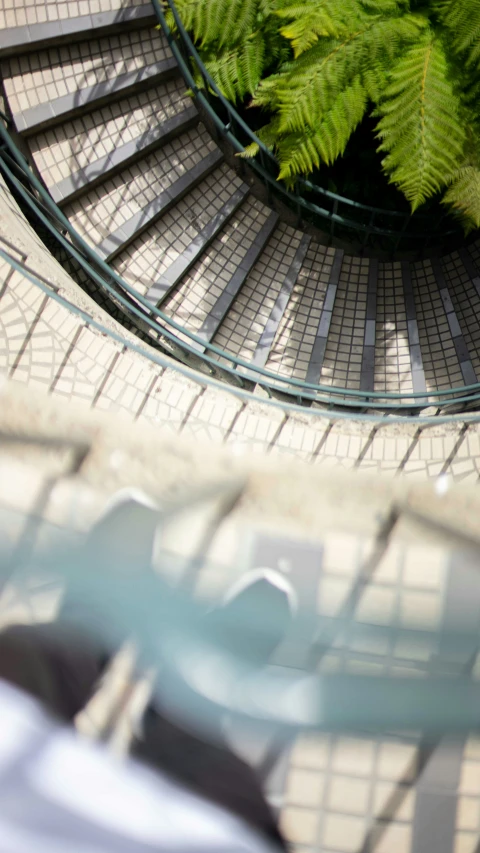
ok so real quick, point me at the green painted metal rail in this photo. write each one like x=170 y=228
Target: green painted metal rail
x=201 y=676
x=206 y=382
x=167 y=334
x=363 y=226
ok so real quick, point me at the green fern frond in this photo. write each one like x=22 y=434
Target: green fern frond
x=267 y=93
x=386 y=7
x=238 y=70
x=310 y=21
x=301 y=153
x=252 y=62
x=315 y=66
x=420 y=128
x=318 y=76
x=462 y=19
x=224 y=22
x=187 y=10
x=244 y=23
x=463 y=195
x=249 y=151
x=268 y=134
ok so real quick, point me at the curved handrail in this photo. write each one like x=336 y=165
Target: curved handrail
x=209 y=382
x=133 y=303
x=269 y=176
x=325 y=395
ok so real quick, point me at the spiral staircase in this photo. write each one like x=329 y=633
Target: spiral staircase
x=330 y=356
x=143 y=274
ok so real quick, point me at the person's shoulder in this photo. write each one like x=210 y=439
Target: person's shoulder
x=75 y=787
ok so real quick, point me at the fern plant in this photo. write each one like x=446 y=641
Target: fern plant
x=316 y=68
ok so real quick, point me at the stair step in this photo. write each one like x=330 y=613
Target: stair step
x=33 y=26
x=120 y=238
x=95 y=171
x=413 y=334
x=191 y=302
x=176 y=271
x=461 y=349
x=435 y=325
x=151 y=254
x=470 y=265
x=48 y=87
x=292 y=347
x=464 y=285
x=115 y=213
x=88 y=144
x=317 y=356
x=367 y=371
x=342 y=361
x=217 y=314
x=392 y=352
x=250 y=327
x=112 y=214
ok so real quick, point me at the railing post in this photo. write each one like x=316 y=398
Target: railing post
x=332 y=221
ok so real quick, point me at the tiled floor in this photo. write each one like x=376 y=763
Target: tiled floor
x=292 y=348
x=240 y=332
x=392 y=354
x=440 y=360
x=343 y=354
x=152 y=253
x=206 y=281
x=466 y=302
x=100 y=212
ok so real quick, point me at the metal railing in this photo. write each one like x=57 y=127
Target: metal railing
x=173 y=339
x=342 y=219
x=212 y=382
x=172 y=636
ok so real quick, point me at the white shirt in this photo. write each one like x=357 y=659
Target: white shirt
x=60 y=793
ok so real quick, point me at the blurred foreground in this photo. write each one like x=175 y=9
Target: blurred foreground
x=359 y=717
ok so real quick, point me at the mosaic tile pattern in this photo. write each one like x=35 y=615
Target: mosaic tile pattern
x=468 y=806
x=240 y=332
x=200 y=289
x=392 y=354
x=52 y=349
x=65 y=150
x=466 y=302
x=101 y=211
x=36 y=78
x=18 y=13
x=343 y=354
x=159 y=246
x=440 y=362
x=350 y=793
x=292 y=348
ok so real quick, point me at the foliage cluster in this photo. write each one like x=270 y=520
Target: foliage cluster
x=317 y=68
